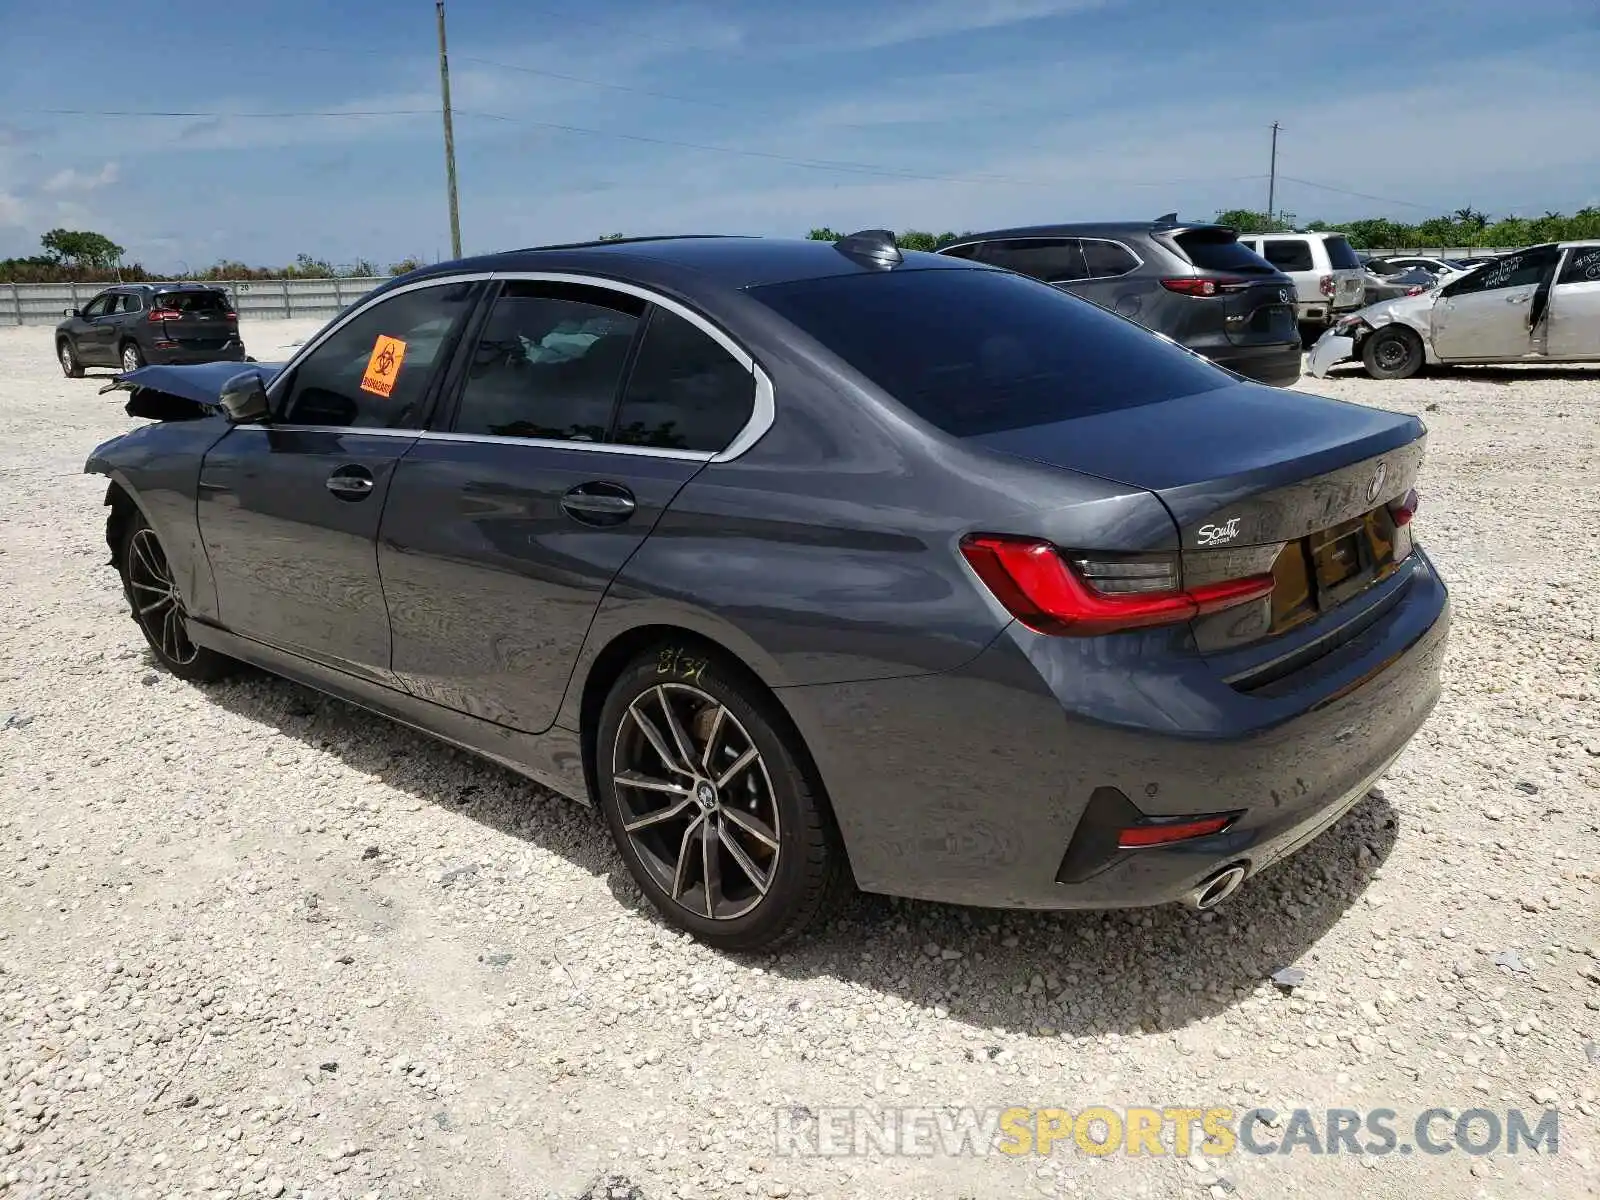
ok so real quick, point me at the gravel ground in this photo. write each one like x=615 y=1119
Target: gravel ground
x=254 y=942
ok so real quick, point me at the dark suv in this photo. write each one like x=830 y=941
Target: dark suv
x=136 y=323
x=1194 y=283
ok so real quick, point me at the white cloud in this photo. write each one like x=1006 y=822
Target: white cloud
x=942 y=18
x=71 y=180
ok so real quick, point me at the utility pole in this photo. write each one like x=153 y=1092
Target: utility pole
x=449 y=139
x=1272 y=178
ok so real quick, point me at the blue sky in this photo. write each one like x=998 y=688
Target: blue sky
x=943 y=114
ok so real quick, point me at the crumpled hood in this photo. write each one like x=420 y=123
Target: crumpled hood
x=1408 y=310
x=199 y=382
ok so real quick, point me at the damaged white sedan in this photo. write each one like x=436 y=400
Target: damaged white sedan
x=1541 y=304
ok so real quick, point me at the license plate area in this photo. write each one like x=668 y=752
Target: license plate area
x=1317 y=573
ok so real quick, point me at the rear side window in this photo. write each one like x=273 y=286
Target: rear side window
x=686 y=392
x=128 y=303
x=1341 y=256
x=1583 y=266
x=1105 y=260
x=1293 y=254
x=1053 y=260
x=549 y=363
x=205 y=303
x=976 y=352
x=1219 y=250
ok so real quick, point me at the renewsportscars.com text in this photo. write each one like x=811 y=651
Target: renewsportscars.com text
x=1099 y=1130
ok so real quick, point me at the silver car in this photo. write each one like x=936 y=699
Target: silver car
x=1541 y=304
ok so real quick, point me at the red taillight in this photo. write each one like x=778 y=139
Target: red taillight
x=1040 y=589
x=165 y=314
x=1188 y=285
x=233 y=316
x=1403 y=509
x=1158 y=832
x=1326 y=285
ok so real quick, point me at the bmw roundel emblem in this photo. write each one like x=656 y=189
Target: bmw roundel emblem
x=1284 y=295
x=1376 y=485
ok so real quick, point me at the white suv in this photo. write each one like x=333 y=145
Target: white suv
x=1328 y=277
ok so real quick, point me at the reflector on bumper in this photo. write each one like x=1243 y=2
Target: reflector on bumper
x=1331 y=348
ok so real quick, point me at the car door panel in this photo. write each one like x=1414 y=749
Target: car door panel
x=1574 y=329
x=491 y=583
x=94 y=342
x=1492 y=324
x=295 y=562
x=289 y=510
x=1486 y=315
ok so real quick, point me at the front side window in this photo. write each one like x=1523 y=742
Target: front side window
x=1052 y=260
x=549 y=363
x=686 y=392
x=100 y=305
x=375 y=371
x=1583 y=265
x=1104 y=260
x=1293 y=254
x=1522 y=269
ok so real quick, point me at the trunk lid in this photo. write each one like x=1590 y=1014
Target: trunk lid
x=1262 y=313
x=198 y=320
x=1258 y=483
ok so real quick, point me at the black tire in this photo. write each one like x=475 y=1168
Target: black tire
x=1393 y=352
x=157 y=607
x=131 y=356
x=802 y=858
x=67 y=356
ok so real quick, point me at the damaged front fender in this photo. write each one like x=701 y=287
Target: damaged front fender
x=1343 y=340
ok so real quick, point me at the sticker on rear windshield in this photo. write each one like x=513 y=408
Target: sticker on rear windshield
x=383 y=368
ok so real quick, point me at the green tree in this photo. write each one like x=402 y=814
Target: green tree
x=1247 y=220
x=405 y=266
x=824 y=234
x=611 y=237
x=81 y=248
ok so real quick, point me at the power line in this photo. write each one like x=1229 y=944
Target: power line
x=129 y=112
x=1328 y=187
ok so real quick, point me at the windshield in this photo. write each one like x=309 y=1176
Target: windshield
x=977 y=351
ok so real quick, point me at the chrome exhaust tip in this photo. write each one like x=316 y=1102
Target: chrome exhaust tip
x=1215 y=890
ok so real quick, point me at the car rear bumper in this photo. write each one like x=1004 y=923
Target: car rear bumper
x=171 y=356
x=1277 y=364
x=976 y=786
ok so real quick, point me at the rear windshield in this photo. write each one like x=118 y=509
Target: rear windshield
x=193 y=302
x=1219 y=250
x=975 y=352
x=1340 y=256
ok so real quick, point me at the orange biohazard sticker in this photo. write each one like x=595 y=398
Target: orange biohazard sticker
x=383 y=368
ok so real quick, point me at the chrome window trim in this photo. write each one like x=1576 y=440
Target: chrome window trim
x=1138 y=259
x=763 y=411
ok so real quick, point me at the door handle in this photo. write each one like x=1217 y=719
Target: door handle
x=351 y=483
x=599 y=504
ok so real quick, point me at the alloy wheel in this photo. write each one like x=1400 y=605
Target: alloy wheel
x=130 y=357
x=157 y=604
x=696 y=801
x=67 y=361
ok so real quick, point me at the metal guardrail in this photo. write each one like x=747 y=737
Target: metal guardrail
x=254 y=299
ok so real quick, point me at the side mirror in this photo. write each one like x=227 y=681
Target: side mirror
x=72 y=312
x=244 y=398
